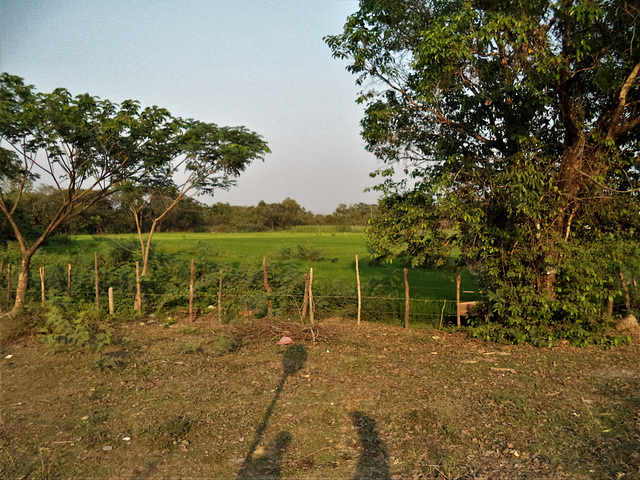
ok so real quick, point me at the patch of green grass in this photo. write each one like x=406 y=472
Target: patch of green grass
x=189 y=348
x=289 y=255
x=222 y=344
x=169 y=433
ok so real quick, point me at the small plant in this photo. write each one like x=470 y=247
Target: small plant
x=168 y=433
x=189 y=348
x=84 y=330
x=303 y=253
x=223 y=344
x=107 y=363
x=169 y=321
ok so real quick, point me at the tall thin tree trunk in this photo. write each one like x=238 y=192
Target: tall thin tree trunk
x=145 y=257
x=139 y=228
x=23 y=284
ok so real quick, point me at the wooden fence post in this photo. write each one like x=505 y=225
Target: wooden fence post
x=111 y=307
x=458 y=282
x=305 y=299
x=359 y=294
x=69 y=280
x=220 y=299
x=137 y=304
x=97 y=282
x=311 y=312
x=406 y=298
x=42 y=285
x=193 y=272
x=266 y=284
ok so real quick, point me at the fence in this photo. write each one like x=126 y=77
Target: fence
x=230 y=291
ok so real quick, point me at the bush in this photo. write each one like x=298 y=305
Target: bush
x=84 y=330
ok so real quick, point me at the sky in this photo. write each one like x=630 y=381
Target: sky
x=261 y=64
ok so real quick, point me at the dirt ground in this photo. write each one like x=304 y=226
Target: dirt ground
x=369 y=402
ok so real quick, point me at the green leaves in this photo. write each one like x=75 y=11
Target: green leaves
x=89 y=148
x=215 y=155
x=521 y=121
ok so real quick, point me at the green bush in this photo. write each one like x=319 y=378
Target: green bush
x=83 y=330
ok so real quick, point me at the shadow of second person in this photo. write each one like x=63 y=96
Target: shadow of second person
x=374 y=459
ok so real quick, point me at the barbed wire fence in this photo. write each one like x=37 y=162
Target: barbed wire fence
x=226 y=292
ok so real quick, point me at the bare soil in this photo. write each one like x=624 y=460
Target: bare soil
x=367 y=402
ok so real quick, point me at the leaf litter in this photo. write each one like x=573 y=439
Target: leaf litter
x=384 y=403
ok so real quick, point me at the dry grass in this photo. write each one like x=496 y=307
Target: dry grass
x=379 y=402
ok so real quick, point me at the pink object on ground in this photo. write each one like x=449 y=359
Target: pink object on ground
x=285 y=341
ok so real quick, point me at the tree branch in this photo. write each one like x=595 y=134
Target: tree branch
x=615 y=129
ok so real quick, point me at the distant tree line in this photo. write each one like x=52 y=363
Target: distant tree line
x=111 y=215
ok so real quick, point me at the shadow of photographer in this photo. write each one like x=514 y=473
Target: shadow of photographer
x=268 y=464
x=374 y=459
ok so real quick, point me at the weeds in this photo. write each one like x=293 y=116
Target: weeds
x=85 y=330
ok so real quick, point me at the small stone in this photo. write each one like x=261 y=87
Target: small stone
x=106 y=448
x=509 y=445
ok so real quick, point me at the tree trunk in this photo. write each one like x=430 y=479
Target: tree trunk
x=145 y=257
x=23 y=284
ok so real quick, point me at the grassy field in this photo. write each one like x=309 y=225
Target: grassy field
x=201 y=400
x=289 y=256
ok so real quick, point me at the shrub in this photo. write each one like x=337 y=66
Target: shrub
x=84 y=330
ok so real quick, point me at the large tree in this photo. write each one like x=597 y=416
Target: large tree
x=87 y=148
x=520 y=122
x=206 y=158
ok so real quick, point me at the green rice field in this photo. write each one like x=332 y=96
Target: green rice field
x=289 y=256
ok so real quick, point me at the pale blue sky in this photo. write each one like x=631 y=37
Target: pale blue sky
x=257 y=63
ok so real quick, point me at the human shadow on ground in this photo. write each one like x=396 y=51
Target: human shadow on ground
x=374 y=459
x=269 y=464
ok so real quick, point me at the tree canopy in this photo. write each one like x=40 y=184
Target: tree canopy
x=518 y=121
x=88 y=148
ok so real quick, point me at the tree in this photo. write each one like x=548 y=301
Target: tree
x=285 y=214
x=355 y=214
x=86 y=147
x=204 y=158
x=518 y=121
